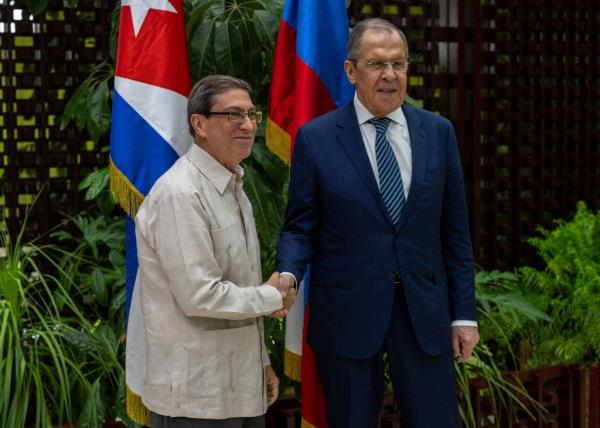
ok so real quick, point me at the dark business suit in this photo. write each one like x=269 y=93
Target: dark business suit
x=365 y=272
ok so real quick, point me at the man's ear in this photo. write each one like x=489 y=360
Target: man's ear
x=199 y=124
x=350 y=71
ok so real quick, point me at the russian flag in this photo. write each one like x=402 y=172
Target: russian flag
x=149 y=132
x=308 y=81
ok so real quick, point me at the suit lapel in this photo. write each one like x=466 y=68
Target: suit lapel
x=418 y=146
x=350 y=138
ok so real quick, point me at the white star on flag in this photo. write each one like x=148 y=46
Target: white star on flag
x=139 y=9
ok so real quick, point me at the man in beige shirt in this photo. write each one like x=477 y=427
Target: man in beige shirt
x=206 y=364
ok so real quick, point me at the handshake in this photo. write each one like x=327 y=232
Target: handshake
x=286 y=286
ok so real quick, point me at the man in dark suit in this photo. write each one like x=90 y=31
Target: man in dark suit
x=377 y=206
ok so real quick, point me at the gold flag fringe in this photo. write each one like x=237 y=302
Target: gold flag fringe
x=292 y=365
x=128 y=197
x=278 y=141
x=136 y=409
x=306 y=424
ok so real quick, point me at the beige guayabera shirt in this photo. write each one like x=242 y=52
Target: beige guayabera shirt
x=199 y=267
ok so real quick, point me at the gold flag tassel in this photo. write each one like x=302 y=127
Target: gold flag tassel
x=292 y=365
x=306 y=424
x=128 y=197
x=278 y=141
x=136 y=410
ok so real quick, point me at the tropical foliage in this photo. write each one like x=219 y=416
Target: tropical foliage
x=59 y=361
x=503 y=310
x=36 y=367
x=568 y=289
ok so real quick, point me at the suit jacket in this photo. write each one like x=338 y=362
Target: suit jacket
x=336 y=220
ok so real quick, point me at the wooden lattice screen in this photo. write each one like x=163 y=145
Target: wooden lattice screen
x=42 y=61
x=518 y=79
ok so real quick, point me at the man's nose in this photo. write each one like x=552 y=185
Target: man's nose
x=245 y=122
x=388 y=72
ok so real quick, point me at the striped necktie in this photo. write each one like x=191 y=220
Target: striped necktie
x=390 y=180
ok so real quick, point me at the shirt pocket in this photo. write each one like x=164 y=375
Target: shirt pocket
x=225 y=362
x=224 y=238
x=225 y=243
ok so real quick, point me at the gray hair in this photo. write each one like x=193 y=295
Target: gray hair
x=202 y=95
x=372 y=24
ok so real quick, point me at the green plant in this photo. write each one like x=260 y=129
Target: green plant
x=234 y=37
x=92 y=265
x=503 y=310
x=37 y=367
x=568 y=290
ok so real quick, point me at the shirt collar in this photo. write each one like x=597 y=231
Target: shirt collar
x=216 y=173
x=364 y=115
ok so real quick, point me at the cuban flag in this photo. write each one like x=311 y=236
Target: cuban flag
x=149 y=132
x=308 y=81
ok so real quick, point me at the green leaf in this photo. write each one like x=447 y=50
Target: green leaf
x=96 y=182
x=265 y=24
x=114 y=30
x=36 y=6
x=76 y=106
x=107 y=332
x=116 y=259
x=202 y=47
x=275 y=169
x=99 y=286
x=196 y=17
x=228 y=47
x=92 y=127
x=94 y=408
x=118 y=303
x=268 y=213
x=274 y=6
x=80 y=340
x=99 y=108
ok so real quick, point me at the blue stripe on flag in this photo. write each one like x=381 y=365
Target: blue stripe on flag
x=131 y=261
x=141 y=165
x=322 y=43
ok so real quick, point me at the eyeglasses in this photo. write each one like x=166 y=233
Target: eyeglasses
x=238 y=116
x=376 y=65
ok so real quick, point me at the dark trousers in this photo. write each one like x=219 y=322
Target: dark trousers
x=424 y=386
x=160 y=421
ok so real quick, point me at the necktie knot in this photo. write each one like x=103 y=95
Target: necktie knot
x=381 y=124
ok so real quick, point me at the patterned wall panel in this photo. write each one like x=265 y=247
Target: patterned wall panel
x=42 y=60
x=536 y=118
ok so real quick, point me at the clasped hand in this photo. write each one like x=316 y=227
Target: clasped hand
x=285 y=285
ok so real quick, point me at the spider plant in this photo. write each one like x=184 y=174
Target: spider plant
x=37 y=369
